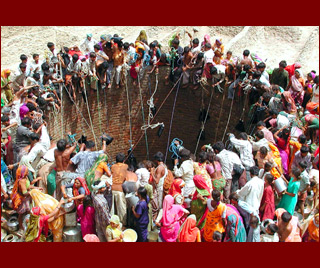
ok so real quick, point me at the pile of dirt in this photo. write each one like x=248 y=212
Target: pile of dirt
x=271 y=43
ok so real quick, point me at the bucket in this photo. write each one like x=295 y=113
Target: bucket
x=70 y=219
x=71 y=234
x=130 y=235
x=153 y=236
x=280 y=185
x=132 y=199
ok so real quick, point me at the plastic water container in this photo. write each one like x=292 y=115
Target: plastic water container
x=130 y=235
x=280 y=185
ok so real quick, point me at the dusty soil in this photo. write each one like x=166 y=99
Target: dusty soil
x=274 y=43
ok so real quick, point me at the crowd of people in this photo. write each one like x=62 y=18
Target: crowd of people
x=261 y=186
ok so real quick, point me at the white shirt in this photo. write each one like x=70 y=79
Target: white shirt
x=88 y=46
x=3 y=184
x=49 y=155
x=282 y=121
x=74 y=66
x=195 y=50
x=264 y=81
x=256 y=145
x=208 y=56
x=315 y=97
x=252 y=192
x=186 y=172
x=143 y=177
x=227 y=160
x=100 y=54
x=34 y=66
x=245 y=149
x=265 y=75
x=269 y=238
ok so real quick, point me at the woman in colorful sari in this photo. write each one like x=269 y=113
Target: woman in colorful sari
x=218 y=49
x=170 y=221
x=290 y=196
x=97 y=170
x=283 y=146
x=20 y=193
x=79 y=191
x=312 y=232
x=142 y=36
x=86 y=214
x=200 y=168
x=199 y=200
x=308 y=88
x=47 y=205
x=6 y=92
x=292 y=68
x=296 y=86
x=206 y=40
x=214 y=170
x=176 y=190
x=188 y=231
x=215 y=217
x=288 y=103
x=38 y=225
x=235 y=231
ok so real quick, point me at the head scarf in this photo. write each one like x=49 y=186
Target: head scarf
x=23 y=110
x=313 y=75
x=75 y=191
x=91 y=238
x=89 y=35
x=188 y=231
x=96 y=188
x=115 y=219
x=297 y=65
x=171 y=213
x=36 y=211
x=206 y=39
x=142 y=36
x=201 y=187
x=233 y=221
x=289 y=99
x=37 y=225
x=103 y=37
x=313 y=229
x=5 y=72
x=176 y=187
x=219 y=40
x=300 y=72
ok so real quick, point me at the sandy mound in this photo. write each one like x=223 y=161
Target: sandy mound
x=274 y=43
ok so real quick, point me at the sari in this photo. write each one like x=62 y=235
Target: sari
x=90 y=173
x=292 y=68
x=206 y=40
x=288 y=100
x=199 y=209
x=294 y=236
x=47 y=204
x=200 y=169
x=38 y=228
x=20 y=203
x=75 y=191
x=296 y=89
x=170 y=219
x=86 y=219
x=175 y=189
x=235 y=231
x=312 y=233
x=142 y=36
x=289 y=202
x=5 y=79
x=188 y=231
x=284 y=150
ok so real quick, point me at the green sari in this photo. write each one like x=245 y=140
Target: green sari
x=90 y=173
x=198 y=208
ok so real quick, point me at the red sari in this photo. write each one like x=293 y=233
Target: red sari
x=75 y=191
x=268 y=199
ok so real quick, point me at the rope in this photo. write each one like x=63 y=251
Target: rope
x=61 y=94
x=99 y=111
x=174 y=106
x=224 y=96
x=129 y=112
x=203 y=123
x=87 y=104
x=225 y=130
x=173 y=148
x=154 y=116
x=143 y=119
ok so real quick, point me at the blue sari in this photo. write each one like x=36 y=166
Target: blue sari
x=235 y=231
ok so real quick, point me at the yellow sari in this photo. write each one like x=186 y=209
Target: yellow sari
x=47 y=204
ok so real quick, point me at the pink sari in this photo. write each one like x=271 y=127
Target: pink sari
x=296 y=89
x=86 y=220
x=170 y=219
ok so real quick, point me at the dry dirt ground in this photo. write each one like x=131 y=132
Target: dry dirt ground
x=274 y=43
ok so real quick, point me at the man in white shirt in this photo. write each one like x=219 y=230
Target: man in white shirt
x=262 y=68
x=87 y=44
x=35 y=65
x=208 y=54
x=24 y=59
x=20 y=77
x=195 y=47
x=227 y=160
x=261 y=141
x=252 y=191
x=185 y=172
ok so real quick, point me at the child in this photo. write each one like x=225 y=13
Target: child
x=267 y=206
x=271 y=234
x=114 y=233
x=217 y=236
x=254 y=231
x=304 y=186
x=264 y=171
x=141 y=215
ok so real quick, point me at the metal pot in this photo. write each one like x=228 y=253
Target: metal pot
x=70 y=219
x=280 y=185
x=50 y=236
x=72 y=234
x=8 y=204
x=11 y=238
x=132 y=199
x=68 y=207
x=13 y=224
